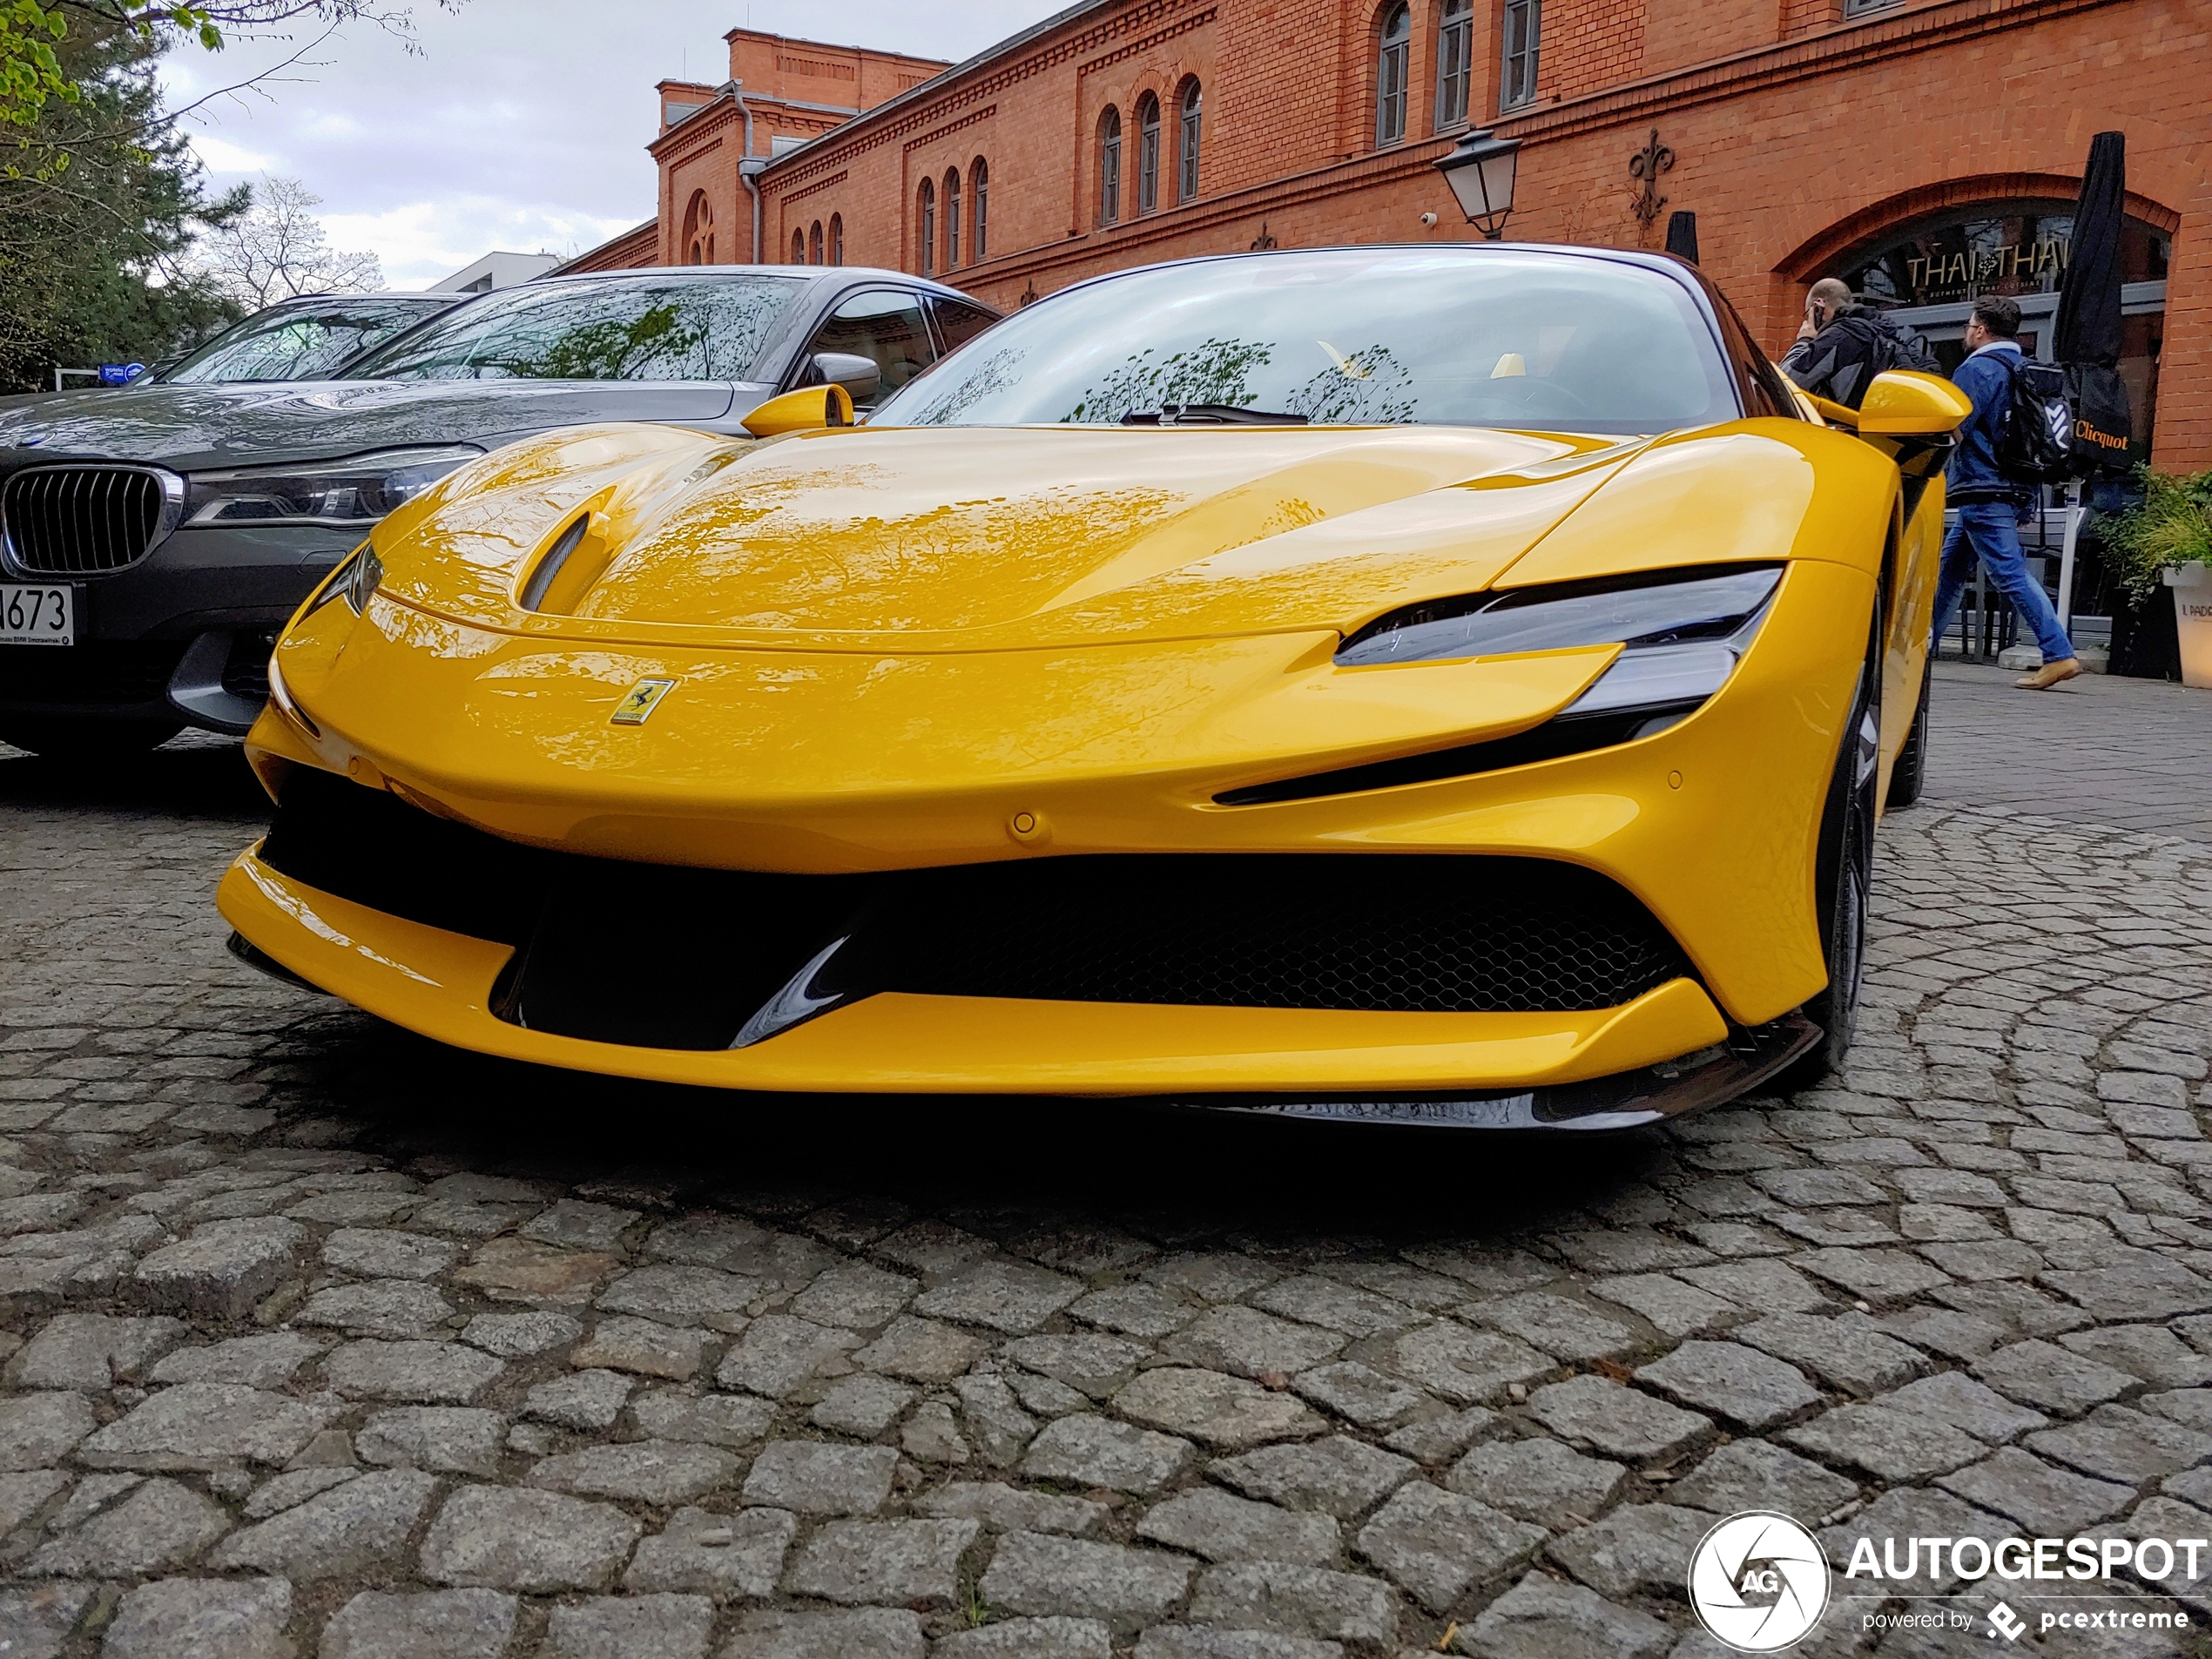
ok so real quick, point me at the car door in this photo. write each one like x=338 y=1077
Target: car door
x=885 y=325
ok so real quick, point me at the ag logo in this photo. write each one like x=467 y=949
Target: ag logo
x=1758 y=1582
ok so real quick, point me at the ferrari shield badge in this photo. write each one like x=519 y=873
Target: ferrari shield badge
x=639 y=703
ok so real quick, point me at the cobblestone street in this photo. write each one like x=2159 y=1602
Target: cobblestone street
x=323 y=1341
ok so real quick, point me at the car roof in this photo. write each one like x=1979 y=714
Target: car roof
x=804 y=273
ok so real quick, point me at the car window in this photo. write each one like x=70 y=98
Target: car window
x=886 y=327
x=699 y=329
x=959 y=320
x=1471 y=336
x=299 y=342
x=1764 y=390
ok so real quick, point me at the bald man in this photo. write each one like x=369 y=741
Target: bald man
x=1842 y=346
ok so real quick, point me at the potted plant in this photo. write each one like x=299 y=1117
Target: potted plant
x=2168 y=538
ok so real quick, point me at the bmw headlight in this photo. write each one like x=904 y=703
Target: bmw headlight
x=1681 y=632
x=357 y=490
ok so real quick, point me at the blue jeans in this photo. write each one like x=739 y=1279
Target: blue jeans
x=1989 y=530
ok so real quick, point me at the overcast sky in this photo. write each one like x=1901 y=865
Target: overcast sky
x=518 y=124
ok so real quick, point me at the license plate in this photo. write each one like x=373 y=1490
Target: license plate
x=35 y=616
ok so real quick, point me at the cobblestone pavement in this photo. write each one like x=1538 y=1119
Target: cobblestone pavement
x=2122 y=753
x=323 y=1341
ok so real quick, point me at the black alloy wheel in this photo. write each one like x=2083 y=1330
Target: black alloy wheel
x=67 y=739
x=1843 y=878
x=1910 y=771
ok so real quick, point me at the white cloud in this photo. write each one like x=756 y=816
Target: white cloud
x=519 y=123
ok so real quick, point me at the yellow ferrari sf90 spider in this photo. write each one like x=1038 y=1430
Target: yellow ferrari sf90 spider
x=1443 y=685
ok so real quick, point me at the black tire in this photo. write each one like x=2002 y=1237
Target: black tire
x=62 y=738
x=1843 y=880
x=1910 y=771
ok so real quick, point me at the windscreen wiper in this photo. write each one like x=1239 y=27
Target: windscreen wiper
x=1210 y=415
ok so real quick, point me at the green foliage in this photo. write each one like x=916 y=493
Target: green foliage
x=2171 y=526
x=1214 y=372
x=103 y=201
x=31 y=73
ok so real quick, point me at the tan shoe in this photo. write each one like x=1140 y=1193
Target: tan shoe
x=2049 y=675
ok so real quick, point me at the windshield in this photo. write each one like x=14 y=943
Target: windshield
x=1349 y=337
x=301 y=343
x=700 y=328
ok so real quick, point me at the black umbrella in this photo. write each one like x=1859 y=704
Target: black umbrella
x=1681 y=236
x=2086 y=340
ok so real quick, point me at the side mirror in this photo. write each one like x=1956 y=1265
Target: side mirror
x=1905 y=403
x=810 y=408
x=857 y=375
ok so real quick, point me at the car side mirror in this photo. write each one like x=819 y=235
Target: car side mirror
x=1905 y=403
x=856 y=374
x=810 y=409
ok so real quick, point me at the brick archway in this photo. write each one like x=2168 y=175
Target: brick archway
x=1812 y=258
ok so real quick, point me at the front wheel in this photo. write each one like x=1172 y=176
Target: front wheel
x=1843 y=880
x=1911 y=772
x=66 y=739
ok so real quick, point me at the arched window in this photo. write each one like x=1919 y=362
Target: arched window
x=837 y=239
x=1390 y=73
x=952 y=220
x=979 y=185
x=814 y=244
x=798 y=247
x=1186 y=171
x=698 y=231
x=925 y=224
x=1109 y=165
x=1454 y=62
x=1147 y=154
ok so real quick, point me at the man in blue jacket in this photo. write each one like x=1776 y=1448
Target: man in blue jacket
x=1989 y=503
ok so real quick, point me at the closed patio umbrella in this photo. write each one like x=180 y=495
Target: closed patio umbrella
x=2085 y=340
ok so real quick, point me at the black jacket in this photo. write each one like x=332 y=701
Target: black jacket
x=1839 y=361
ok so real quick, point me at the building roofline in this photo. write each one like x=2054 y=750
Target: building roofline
x=936 y=83
x=830 y=45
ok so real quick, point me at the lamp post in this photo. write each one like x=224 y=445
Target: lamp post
x=1480 y=172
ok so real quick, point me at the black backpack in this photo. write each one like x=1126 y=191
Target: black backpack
x=2035 y=439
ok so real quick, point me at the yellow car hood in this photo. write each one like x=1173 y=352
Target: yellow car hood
x=966 y=538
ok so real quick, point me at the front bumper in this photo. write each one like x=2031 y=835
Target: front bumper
x=1330 y=1062
x=184 y=634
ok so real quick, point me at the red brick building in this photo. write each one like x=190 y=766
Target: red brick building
x=1927 y=149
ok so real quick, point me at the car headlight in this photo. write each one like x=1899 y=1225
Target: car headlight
x=353 y=581
x=1681 y=631
x=357 y=490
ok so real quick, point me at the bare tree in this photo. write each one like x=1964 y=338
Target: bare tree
x=276 y=249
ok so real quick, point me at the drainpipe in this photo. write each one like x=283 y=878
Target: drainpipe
x=748 y=169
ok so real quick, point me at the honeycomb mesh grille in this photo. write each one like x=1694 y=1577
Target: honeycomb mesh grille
x=1417 y=933
x=81 y=521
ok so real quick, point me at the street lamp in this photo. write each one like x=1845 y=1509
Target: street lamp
x=1479 y=171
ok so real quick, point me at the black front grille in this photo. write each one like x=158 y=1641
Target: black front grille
x=81 y=521
x=94 y=673
x=681 y=958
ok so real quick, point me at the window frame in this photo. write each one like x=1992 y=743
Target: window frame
x=926 y=217
x=798 y=245
x=979 y=195
x=1148 y=155
x=1454 y=38
x=1393 y=68
x=1109 y=165
x=1189 y=115
x=837 y=239
x=814 y=243
x=952 y=218
x=1526 y=62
